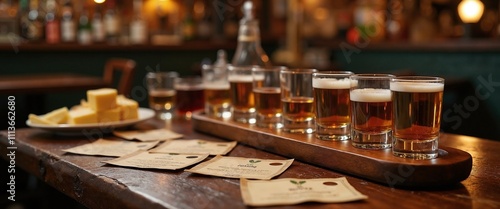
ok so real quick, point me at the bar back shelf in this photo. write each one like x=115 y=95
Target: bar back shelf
x=450 y=168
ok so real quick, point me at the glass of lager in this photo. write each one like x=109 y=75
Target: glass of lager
x=242 y=96
x=371 y=106
x=161 y=93
x=267 y=92
x=297 y=98
x=217 y=94
x=417 y=104
x=332 y=105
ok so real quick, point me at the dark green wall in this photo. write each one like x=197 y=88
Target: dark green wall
x=472 y=83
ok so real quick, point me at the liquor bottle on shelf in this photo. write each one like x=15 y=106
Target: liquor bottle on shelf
x=138 y=28
x=24 y=21
x=112 y=23
x=98 y=33
x=52 y=27
x=249 y=51
x=188 y=24
x=35 y=27
x=84 y=28
x=68 y=30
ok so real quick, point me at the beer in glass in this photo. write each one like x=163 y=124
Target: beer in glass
x=297 y=98
x=242 y=96
x=161 y=93
x=371 y=106
x=217 y=94
x=267 y=92
x=189 y=96
x=332 y=105
x=417 y=116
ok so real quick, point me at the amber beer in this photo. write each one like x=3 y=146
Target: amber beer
x=242 y=98
x=162 y=100
x=268 y=101
x=296 y=112
x=332 y=108
x=217 y=98
x=417 y=117
x=371 y=116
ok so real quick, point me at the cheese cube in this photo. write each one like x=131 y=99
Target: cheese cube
x=57 y=116
x=82 y=116
x=35 y=119
x=102 y=99
x=107 y=116
x=128 y=108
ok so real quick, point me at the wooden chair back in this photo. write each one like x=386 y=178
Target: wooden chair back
x=126 y=67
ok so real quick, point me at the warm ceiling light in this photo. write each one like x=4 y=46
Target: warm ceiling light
x=470 y=11
x=99 y=1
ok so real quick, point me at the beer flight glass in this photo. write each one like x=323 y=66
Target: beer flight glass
x=189 y=95
x=267 y=92
x=242 y=96
x=217 y=91
x=297 y=98
x=417 y=116
x=371 y=105
x=161 y=93
x=332 y=105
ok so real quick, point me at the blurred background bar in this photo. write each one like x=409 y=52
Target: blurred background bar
x=458 y=40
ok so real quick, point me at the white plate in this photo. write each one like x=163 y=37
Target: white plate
x=144 y=114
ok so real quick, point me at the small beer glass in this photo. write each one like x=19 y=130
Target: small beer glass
x=217 y=94
x=267 y=92
x=189 y=95
x=332 y=105
x=161 y=93
x=371 y=106
x=297 y=98
x=417 y=102
x=242 y=96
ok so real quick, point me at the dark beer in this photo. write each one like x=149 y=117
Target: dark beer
x=189 y=99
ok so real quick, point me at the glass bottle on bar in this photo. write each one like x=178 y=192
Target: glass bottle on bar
x=112 y=23
x=138 y=28
x=35 y=26
x=24 y=21
x=249 y=51
x=68 y=29
x=84 y=27
x=98 y=33
x=52 y=27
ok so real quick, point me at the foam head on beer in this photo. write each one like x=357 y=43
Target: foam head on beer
x=371 y=95
x=417 y=87
x=326 y=83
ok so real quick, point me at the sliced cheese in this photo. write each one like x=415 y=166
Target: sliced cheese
x=129 y=109
x=106 y=116
x=82 y=116
x=35 y=119
x=57 y=116
x=102 y=99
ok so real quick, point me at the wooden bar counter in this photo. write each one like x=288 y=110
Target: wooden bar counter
x=96 y=185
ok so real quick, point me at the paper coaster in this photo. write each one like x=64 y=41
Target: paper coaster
x=169 y=161
x=239 y=167
x=289 y=191
x=195 y=146
x=148 y=135
x=107 y=147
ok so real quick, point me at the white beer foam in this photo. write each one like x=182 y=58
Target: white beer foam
x=331 y=83
x=216 y=86
x=240 y=78
x=417 y=87
x=371 y=95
